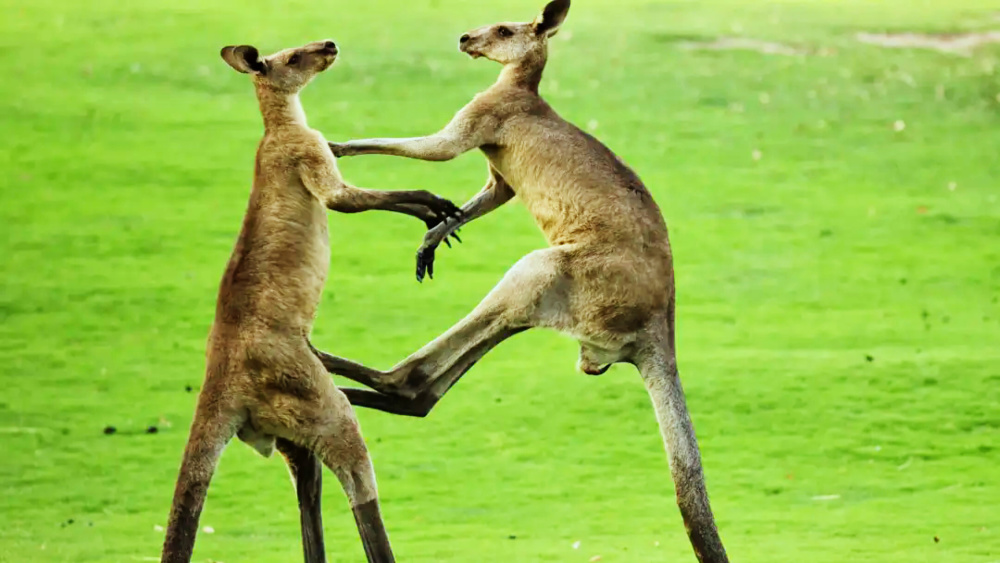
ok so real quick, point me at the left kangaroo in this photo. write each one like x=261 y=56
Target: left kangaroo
x=262 y=382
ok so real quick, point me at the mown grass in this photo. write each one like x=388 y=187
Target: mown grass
x=838 y=296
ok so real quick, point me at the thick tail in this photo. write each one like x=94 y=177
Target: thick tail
x=664 y=386
x=208 y=438
x=373 y=534
x=307 y=475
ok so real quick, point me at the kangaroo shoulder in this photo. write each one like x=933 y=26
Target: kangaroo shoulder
x=294 y=147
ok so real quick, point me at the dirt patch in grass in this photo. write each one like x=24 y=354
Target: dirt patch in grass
x=953 y=43
x=743 y=44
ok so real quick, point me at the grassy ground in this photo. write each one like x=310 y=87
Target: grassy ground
x=838 y=295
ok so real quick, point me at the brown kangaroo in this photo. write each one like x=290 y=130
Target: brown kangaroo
x=607 y=278
x=262 y=383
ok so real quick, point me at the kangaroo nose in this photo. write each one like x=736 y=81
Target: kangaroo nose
x=463 y=38
x=330 y=46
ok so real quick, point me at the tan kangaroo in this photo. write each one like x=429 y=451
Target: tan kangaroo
x=607 y=279
x=262 y=382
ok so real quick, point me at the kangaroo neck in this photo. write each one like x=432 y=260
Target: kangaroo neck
x=525 y=73
x=280 y=109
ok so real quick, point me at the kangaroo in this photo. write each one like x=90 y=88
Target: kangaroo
x=607 y=278
x=262 y=382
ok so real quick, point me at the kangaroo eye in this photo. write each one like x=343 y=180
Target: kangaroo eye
x=294 y=59
x=504 y=31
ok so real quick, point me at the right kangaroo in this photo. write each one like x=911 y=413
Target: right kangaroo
x=607 y=279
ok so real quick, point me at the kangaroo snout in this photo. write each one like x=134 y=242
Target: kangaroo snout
x=469 y=46
x=330 y=47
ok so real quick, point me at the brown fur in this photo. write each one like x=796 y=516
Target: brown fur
x=607 y=279
x=262 y=382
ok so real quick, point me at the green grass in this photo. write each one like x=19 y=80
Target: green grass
x=838 y=303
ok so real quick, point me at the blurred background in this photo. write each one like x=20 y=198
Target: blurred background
x=829 y=171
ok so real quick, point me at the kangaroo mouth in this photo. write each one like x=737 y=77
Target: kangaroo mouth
x=329 y=52
x=470 y=51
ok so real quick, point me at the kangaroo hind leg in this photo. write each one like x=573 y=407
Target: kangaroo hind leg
x=319 y=422
x=534 y=292
x=307 y=476
x=213 y=427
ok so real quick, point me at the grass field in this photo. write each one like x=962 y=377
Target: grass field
x=836 y=227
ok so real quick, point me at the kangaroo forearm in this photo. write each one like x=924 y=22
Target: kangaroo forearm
x=430 y=217
x=355 y=200
x=491 y=197
x=486 y=201
x=431 y=148
x=421 y=212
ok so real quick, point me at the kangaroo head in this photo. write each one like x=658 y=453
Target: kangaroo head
x=508 y=43
x=288 y=70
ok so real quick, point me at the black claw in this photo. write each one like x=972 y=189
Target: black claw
x=447 y=209
x=448 y=243
x=455 y=236
x=425 y=263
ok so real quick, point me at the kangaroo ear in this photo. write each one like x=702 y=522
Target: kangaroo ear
x=244 y=58
x=551 y=18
